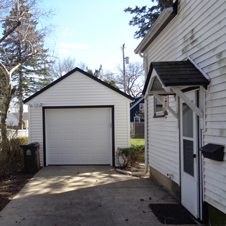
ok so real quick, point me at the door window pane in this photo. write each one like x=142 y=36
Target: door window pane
x=188 y=157
x=187 y=121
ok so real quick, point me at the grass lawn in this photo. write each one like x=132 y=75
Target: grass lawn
x=136 y=141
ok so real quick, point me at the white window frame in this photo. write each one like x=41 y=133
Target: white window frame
x=135 y=117
x=158 y=113
x=141 y=106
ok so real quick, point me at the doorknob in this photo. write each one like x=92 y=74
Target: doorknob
x=194 y=155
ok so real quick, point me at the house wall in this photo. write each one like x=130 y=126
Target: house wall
x=198 y=31
x=12 y=120
x=80 y=90
x=136 y=110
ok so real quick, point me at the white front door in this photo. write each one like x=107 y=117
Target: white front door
x=189 y=156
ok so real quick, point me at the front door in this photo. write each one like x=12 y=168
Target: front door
x=189 y=156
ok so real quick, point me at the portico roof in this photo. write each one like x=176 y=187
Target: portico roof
x=174 y=73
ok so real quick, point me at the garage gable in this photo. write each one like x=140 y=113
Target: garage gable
x=73 y=73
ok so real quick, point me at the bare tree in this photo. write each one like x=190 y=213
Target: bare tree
x=134 y=75
x=17 y=14
x=61 y=67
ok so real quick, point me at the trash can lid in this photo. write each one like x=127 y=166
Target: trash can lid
x=34 y=144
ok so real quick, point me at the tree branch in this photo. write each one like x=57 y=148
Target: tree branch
x=10 y=31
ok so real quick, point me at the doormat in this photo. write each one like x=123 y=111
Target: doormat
x=171 y=214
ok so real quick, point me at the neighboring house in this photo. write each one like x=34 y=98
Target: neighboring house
x=184 y=56
x=25 y=118
x=136 y=109
x=79 y=119
x=12 y=120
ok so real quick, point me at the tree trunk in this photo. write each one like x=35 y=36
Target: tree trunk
x=10 y=90
x=21 y=110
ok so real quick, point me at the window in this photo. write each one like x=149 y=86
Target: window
x=136 y=119
x=141 y=106
x=158 y=108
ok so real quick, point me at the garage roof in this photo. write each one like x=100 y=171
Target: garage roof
x=83 y=72
x=176 y=73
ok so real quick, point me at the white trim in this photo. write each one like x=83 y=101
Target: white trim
x=195 y=212
x=140 y=106
x=200 y=69
x=158 y=23
x=134 y=119
x=169 y=108
x=135 y=104
x=187 y=101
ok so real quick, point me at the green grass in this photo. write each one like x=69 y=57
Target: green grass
x=137 y=141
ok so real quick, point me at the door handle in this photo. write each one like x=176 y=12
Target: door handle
x=194 y=155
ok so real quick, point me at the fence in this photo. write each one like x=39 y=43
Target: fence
x=137 y=129
x=16 y=133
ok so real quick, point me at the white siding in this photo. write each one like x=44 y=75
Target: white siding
x=80 y=90
x=163 y=141
x=198 y=31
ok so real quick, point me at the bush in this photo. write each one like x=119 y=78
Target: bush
x=16 y=142
x=130 y=157
x=12 y=161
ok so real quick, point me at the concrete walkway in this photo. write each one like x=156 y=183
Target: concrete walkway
x=84 y=195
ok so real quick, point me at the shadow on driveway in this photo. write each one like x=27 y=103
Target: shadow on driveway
x=84 y=195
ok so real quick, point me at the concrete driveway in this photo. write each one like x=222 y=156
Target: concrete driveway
x=84 y=195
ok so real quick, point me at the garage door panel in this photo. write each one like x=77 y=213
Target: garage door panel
x=101 y=114
x=86 y=129
x=71 y=129
x=101 y=158
x=68 y=121
x=78 y=136
x=71 y=158
x=86 y=158
x=55 y=158
x=101 y=150
x=71 y=151
x=73 y=144
x=55 y=143
x=86 y=136
x=54 y=130
x=102 y=128
x=84 y=144
x=101 y=144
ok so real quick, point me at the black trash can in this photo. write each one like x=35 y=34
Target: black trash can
x=31 y=157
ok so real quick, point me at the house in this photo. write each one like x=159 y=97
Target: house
x=184 y=56
x=136 y=108
x=79 y=119
x=25 y=118
x=12 y=120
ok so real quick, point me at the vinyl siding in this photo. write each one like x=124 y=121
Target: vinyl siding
x=198 y=31
x=80 y=90
x=163 y=142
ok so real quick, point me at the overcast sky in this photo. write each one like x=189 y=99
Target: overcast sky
x=93 y=31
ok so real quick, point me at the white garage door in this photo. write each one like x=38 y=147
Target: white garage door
x=78 y=136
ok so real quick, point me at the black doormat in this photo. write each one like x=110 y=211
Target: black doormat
x=171 y=214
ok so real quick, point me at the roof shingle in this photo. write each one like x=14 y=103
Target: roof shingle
x=176 y=73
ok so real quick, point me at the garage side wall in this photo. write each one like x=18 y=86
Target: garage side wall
x=80 y=90
x=198 y=32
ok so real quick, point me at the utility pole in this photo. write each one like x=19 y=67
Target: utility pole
x=124 y=74
x=125 y=60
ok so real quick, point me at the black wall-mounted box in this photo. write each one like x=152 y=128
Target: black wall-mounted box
x=213 y=151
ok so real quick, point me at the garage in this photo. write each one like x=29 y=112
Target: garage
x=79 y=120
x=78 y=136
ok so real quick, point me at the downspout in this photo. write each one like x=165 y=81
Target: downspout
x=145 y=132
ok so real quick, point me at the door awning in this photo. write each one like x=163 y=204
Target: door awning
x=171 y=77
